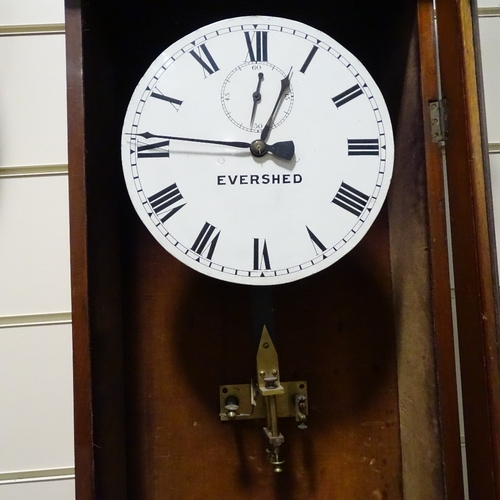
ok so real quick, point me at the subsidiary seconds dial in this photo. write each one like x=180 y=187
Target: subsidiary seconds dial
x=257 y=150
x=248 y=95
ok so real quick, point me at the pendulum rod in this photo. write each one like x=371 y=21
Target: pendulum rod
x=263 y=312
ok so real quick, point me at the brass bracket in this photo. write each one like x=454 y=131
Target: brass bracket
x=268 y=398
x=245 y=401
x=268 y=374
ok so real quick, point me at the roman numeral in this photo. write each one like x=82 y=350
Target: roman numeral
x=309 y=59
x=316 y=242
x=176 y=103
x=203 y=56
x=257 y=46
x=346 y=96
x=167 y=202
x=260 y=255
x=206 y=241
x=351 y=199
x=153 y=150
x=362 y=147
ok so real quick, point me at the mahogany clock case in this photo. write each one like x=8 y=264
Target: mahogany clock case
x=154 y=340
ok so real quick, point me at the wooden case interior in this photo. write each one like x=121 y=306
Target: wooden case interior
x=154 y=339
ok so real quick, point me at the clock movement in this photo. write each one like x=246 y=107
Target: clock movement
x=245 y=186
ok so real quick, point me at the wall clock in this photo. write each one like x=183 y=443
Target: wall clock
x=257 y=150
x=154 y=338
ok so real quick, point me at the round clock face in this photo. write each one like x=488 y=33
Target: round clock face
x=257 y=150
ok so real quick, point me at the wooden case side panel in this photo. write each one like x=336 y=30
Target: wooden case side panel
x=82 y=388
x=473 y=261
x=430 y=437
x=440 y=265
x=95 y=248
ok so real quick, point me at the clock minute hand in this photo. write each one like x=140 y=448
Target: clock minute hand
x=285 y=84
x=234 y=144
x=283 y=149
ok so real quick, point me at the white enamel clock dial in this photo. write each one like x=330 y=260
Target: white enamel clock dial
x=197 y=122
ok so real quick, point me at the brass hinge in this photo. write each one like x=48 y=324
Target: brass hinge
x=438 y=111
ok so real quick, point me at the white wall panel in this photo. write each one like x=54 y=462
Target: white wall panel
x=34 y=245
x=31 y=12
x=495 y=187
x=50 y=490
x=32 y=100
x=488 y=3
x=490 y=43
x=36 y=408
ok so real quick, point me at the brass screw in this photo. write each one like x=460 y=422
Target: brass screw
x=265 y=345
x=275 y=372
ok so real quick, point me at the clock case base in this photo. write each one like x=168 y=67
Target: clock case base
x=372 y=335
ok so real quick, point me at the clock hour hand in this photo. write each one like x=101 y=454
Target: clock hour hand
x=285 y=85
x=256 y=96
x=283 y=150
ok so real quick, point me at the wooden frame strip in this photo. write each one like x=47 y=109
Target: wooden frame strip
x=82 y=381
x=472 y=237
x=441 y=292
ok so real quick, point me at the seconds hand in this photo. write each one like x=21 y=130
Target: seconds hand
x=284 y=149
x=256 y=96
